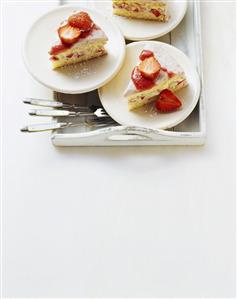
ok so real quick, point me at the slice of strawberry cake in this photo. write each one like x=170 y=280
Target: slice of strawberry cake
x=155 y=72
x=79 y=40
x=141 y=9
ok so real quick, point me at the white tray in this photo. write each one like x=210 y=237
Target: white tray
x=192 y=131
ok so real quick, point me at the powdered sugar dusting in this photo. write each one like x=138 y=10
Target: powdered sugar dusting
x=82 y=69
x=166 y=60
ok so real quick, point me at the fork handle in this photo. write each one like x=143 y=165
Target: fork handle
x=52 y=112
x=44 y=127
x=55 y=104
x=43 y=103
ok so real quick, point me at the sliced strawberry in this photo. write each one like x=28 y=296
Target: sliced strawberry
x=156 y=12
x=167 y=101
x=68 y=34
x=146 y=54
x=139 y=81
x=81 y=20
x=150 y=68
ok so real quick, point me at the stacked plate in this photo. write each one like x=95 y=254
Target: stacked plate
x=110 y=74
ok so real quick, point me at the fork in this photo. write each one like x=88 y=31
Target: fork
x=62 y=125
x=58 y=105
x=100 y=112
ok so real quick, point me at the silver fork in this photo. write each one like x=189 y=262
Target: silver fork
x=56 y=104
x=100 y=113
x=34 y=128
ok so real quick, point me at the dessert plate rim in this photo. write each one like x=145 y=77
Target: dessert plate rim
x=117 y=106
x=132 y=24
x=118 y=61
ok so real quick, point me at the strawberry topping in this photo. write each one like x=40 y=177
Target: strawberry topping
x=68 y=34
x=62 y=47
x=78 y=26
x=150 y=68
x=167 y=101
x=81 y=20
x=145 y=75
x=146 y=54
x=139 y=81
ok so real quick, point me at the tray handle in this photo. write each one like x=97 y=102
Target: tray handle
x=128 y=137
x=130 y=134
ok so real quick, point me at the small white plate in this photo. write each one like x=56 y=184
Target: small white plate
x=77 y=78
x=114 y=102
x=134 y=29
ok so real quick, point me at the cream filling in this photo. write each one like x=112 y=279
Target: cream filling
x=87 y=48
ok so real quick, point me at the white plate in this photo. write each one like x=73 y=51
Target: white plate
x=78 y=78
x=134 y=29
x=114 y=102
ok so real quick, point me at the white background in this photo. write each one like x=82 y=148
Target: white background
x=130 y=222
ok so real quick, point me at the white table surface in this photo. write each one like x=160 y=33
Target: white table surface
x=119 y=222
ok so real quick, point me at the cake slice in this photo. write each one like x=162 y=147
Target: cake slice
x=155 y=72
x=141 y=9
x=79 y=40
